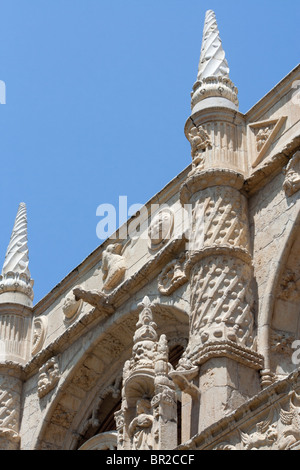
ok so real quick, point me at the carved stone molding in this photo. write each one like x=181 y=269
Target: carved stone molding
x=103 y=441
x=231 y=350
x=221 y=87
x=291 y=183
x=200 y=180
x=39 y=333
x=49 y=375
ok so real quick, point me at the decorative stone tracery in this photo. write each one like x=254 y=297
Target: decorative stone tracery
x=148 y=416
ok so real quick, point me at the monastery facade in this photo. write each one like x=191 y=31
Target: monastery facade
x=184 y=332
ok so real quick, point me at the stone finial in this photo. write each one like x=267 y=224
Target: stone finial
x=213 y=73
x=212 y=60
x=15 y=277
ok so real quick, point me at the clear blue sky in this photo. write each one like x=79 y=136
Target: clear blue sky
x=98 y=92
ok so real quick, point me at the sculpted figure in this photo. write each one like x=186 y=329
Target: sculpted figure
x=161 y=228
x=141 y=426
x=113 y=266
x=292 y=175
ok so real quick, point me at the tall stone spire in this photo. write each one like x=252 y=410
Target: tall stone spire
x=213 y=73
x=15 y=280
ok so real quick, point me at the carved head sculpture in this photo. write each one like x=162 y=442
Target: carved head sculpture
x=161 y=228
x=71 y=306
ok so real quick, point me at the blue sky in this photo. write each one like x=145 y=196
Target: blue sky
x=98 y=92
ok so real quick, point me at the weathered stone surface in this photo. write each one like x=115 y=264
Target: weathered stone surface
x=184 y=332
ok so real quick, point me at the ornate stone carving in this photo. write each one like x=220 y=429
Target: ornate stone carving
x=141 y=426
x=113 y=266
x=95 y=298
x=49 y=376
x=221 y=304
x=161 y=229
x=172 y=276
x=213 y=73
x=264 y=134
x=289 y=288
x=281 y=342
x=220 y=218
x=72 y=306
x=148 y=398
x=39 y=333
x=15 y=275
x=292 y=176
x=200 y=142
x=279 y=431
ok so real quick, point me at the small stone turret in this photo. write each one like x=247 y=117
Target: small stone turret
x=219 y=265
x=16 y=297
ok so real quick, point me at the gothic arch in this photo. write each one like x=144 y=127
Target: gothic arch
x=288 y=249
x=92 y=388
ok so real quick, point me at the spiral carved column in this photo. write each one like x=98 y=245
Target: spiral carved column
x=222 y=322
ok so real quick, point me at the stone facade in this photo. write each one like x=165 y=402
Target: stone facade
x=186 y=335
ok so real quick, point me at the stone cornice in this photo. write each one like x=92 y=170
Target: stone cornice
x=273 y=96
x=244 y=414
x=230 y=350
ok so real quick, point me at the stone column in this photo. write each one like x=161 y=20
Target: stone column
x=164 y=402
x=16 y=297
x=222 y=324
x=220 y=364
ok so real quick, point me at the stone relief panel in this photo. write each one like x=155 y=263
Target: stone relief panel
x=291 y=183
x=279 y=431
x=40 y=325
x=263 y=136
x=72 y=306
x=173 y=276
x=200 y=142
x=49 y=375
x=161 y=229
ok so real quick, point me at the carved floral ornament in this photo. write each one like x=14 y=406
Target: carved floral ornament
x=49 y=375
